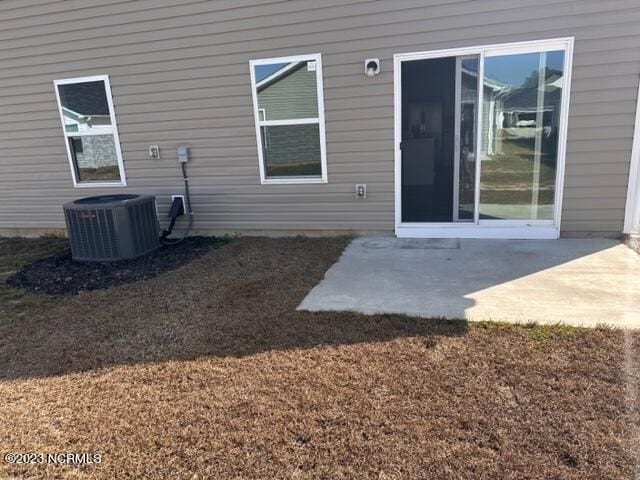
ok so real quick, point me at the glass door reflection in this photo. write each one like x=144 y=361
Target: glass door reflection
x=465 y=148
x=520 y=124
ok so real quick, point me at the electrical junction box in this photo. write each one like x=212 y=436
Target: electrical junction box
x=183 y=154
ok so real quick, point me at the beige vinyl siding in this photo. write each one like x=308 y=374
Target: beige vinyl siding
x=179 y=72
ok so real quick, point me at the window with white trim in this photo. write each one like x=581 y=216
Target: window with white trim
x=91 y=135
x=289 y=115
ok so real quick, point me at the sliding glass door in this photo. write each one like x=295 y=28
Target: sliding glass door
x=481 y=134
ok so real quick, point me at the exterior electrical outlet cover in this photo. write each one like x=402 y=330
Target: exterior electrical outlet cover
x=112 y=227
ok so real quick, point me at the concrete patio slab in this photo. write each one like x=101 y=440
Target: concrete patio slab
x=581 y=282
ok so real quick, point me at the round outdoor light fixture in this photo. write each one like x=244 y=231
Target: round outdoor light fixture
x=371 y=67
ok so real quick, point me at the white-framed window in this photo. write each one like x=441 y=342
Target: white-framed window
x=91 y=135
x=288 y=105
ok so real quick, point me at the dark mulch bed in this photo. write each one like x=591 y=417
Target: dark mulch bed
x=59 y=274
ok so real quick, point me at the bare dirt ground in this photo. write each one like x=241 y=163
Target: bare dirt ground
x=208 y=371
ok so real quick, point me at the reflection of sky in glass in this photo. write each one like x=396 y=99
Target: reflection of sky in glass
x=513 y=70
x=263 y=71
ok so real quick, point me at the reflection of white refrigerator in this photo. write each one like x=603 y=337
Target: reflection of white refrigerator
x=418 y=161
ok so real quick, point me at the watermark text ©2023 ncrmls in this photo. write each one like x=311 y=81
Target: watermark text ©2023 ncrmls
x=55 y=458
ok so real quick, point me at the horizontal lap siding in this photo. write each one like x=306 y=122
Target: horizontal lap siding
x=179 y=74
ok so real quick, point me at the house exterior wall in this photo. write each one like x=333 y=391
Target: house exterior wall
x=179 y=72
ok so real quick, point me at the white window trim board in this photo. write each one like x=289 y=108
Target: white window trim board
x=111 y=130
x=294 y=121
x=632 y=210
x=508 y=229
x=320 y=120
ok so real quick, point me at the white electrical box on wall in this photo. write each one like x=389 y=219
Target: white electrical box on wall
x=183 y=154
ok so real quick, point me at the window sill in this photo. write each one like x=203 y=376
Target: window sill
x=99 y=184
x=292 y=181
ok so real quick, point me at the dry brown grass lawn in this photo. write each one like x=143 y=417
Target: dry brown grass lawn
x=209 y=372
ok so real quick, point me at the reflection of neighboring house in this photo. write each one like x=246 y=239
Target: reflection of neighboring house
x=86 y=107
x=78 y=122
x=295 y=81
x=84 y=113
x=520 y=106
x=289 y=94
x=490 y=96
x=515 y=114
x=93 y=151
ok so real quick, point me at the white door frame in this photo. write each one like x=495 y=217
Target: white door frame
x=632 y=210
x=457 y=139
x=514 y=229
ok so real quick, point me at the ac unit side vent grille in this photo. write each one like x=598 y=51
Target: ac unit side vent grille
x=143 y=226
x=94 y=233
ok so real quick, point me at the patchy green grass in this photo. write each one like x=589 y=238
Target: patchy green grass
x=534 y=330
x=541 y=335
